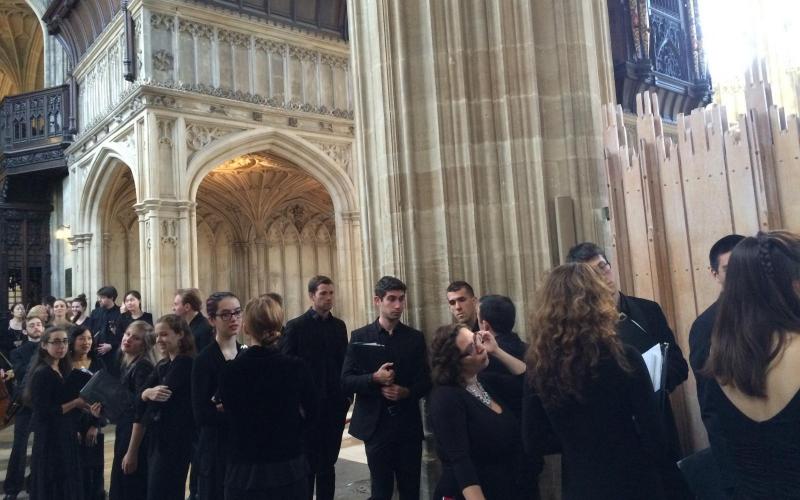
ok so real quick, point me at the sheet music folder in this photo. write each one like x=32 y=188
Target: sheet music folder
x=370 y=355
x=105 y=389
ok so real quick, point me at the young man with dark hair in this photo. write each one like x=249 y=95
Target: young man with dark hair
x=104 y=326
x=188 y=304
x=463 y=303
x=642 y=325
x=386 y=414
x=702 y=469
x=321 y=340
x=497 y=314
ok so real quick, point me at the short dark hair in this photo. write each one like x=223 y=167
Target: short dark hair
x=213 y=300
x=81 y=299
x=388 y=284
x=584 y=252
x=498 y=311
x=49 y=300
x=108 y=291
x=191 y=296
x=458 y=285
x=722 y=246
x=316 y=281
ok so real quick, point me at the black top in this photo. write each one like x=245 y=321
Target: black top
x=55 y=448
x=126 y=319
x=407 y=349
x=206 y=372
x=322 y=343
x=11 y=340
x=171 y=420
x=764 y=456
x=476 y=445
x=270 y=400
x=73 y=383
x=133 y=379
x=507 y=386
x=612 y=444
x=20 y=359
x=202 y=332
x=104 y=326
x=700 y=346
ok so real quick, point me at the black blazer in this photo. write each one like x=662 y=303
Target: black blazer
x=408 y=351
x=322 y=343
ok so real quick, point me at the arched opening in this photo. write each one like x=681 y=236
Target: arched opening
x=263 y=224
x=119 y=226
x=21 y=49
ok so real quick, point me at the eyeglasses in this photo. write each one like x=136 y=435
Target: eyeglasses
x=470 y=350
x=58 y=342
x=603 y=266
x=227 y=315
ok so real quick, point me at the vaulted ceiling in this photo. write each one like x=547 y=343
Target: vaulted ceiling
x=21 y=49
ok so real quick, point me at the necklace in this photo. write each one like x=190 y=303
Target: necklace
x=479 y=392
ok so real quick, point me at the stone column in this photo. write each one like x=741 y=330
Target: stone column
x=472 y=117
x=81 y=278
x=165 y=244
x=261 y=261
x=355 y=308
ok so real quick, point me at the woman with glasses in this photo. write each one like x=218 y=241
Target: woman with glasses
x=166 y=415
x=85 y=363
x=55 y=474
x=591 y=395
x=269 y=398
x=477 y=436
x=225 y=313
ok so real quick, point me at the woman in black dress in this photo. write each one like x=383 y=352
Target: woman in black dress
x=131 y=310
x=129 y=469
x=85 y=363
x=79 y=314
x=225 y=314
x=596 y=393
x=15 y=335
x=752 y=401
x=477 y=436
x=166 y=413
x=269 y=399
x=55 y=472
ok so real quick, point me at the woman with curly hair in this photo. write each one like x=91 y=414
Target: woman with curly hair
x=594 y=395
x=477 y=436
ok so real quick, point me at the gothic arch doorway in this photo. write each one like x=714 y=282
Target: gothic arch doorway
x=272 y=211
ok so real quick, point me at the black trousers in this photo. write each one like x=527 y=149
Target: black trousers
x=167 y=467
x=322 y=447
x=392 y=454
x=128 y=486
x=209 y=464
x=297 y=490
x=15 y=472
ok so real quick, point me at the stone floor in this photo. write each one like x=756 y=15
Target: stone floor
x=352 y=475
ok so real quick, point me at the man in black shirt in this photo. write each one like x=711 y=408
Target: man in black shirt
x=104 y=325
x=321 y=340
x=187 y=304
x=463 y=304
x=387 y=415
x=642 y=325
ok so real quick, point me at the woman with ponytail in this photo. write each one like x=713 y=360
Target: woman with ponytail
x=270 y=399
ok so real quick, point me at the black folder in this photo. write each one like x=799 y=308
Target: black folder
x=370 y=356
x=105 y=389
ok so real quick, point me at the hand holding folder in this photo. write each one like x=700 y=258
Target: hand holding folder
x=105 y=389
x=370 y=356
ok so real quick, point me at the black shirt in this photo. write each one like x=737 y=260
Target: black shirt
x=206 y=373
x=322 y=343
x=269 y=399
x=126 y=319
x=700 y=346
x=171 y=422
x=201 y=331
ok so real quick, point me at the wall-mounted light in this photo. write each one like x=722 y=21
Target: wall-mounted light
x=63 y=232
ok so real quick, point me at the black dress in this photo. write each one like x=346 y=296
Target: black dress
x=12 y=339
x=765 y=456
x=130 y=486
x=613 y=445
x=270 y=400
x=477 y=446
x=170 y=430
x=55 y=471
x=91 y=457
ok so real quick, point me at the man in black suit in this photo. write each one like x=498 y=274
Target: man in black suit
x=642 y=325
x=387 y=415
x=321 y=340
x=187 y=304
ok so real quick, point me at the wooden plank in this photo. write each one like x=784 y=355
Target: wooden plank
x=744 y=198
x=786 y=152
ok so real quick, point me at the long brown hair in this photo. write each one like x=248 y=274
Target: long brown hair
x=759 y=307
x=41 y=360
x=446 y=356
x=177 y=324
x=574 y=327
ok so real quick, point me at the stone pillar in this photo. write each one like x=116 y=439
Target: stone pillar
x=253 y=270
x=472 y=117
x=165 y=243
x=348 y=274
x=81 y=280
x=261 y=269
